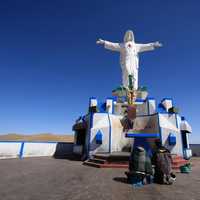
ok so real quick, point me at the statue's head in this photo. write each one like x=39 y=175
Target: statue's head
x=129 y=36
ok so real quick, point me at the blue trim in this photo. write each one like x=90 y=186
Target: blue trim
x=99 y=137
x=92 y=98
x=167 y=98
x=176 y=121
x=146 y=135
x=150 y=98
x=113 y=106
x=114 y=98
x=172 y=139
x=91 y=120
x=170 y=99
x=182 y=118
x=140 y=100
x=110 y=131
x=21 y=150
x=182 y=142
x=102 y=107
x=164 y=112
x=161 y=108
x=89 y=135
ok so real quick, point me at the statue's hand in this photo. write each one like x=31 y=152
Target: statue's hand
x=100 y=41
x=158 y=44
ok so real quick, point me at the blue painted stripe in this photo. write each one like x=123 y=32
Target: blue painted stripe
x=182 y=118
x=176 y=121
x=110 y=130
x=163 y=112
x=182 y=143
x=89 y=134
x=21 y=150
x=146 y=135
x=92 y=98
x=91 y=120
x=150 y=98
x=140 y=100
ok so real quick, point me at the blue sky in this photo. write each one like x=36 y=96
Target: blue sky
x=50 y=64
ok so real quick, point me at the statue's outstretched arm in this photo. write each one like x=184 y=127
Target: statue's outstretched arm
x=109 y=45
x=148 y=46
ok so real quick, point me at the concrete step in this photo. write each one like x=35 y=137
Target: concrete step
x=120 y=160
x=92 y=164
x=181 y=162
x=114 y=157
x=97 y=160
x=178 y=161
x=106 y=165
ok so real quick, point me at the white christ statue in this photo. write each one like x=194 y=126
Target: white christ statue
x=129 y=60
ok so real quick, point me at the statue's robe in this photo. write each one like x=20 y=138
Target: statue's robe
x=129 y=58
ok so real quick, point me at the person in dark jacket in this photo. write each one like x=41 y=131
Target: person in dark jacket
x=139 y=164
x=162 y=160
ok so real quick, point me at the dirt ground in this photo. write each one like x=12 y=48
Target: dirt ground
x=61 y=179
x=37 y=137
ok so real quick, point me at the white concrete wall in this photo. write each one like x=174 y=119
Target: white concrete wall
x=100 y=123
x=167 y=103
x=36 y=149
x=118 y=109
x=9 y=149
x=118 y=139
x=168 y=121
x=178 y=117
x=174 y=149
x=141 y=108
x=113 y=137
x=146 y=124
x=152 y=106
x=169 y=125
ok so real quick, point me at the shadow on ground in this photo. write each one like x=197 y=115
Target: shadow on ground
x=64 y=150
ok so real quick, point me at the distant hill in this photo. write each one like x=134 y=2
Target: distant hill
x=195 y=149
x=37 y=137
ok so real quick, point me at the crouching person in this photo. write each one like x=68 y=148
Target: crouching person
x=140 y=168
x=162 y=161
